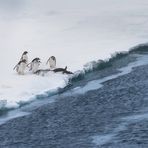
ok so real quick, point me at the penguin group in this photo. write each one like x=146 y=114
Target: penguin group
x=34 y=65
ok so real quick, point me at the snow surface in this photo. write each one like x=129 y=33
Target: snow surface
x=17 y=89
x=74 y=31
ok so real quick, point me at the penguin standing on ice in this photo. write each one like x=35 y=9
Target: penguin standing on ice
x=24 y=56
x=52 y=62
x=20 y=67
x=34 y=65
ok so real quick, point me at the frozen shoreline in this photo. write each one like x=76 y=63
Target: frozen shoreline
x=18 y=90
x=111 y=116
x=21 y=89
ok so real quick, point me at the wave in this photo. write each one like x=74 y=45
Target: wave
x=102 y=64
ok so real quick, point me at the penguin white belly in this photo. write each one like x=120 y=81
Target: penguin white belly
x=21 y=68
x=52 y=63
x=25 y=57
x=17 y=68
x=35 y=67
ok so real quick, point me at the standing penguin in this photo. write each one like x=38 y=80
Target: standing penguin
x=34 y=65
x=24 y=56
x=52 y=62
x=20 y=67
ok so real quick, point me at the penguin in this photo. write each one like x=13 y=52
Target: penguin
x=52 y=62
x=34 y=65
x=63 y=70
x=20 y=67
x=24 y=56
x=44 y=71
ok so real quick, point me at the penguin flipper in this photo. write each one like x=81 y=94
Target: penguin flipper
x=28 y=64
x=47 y=61
x=65 y=68
x=30 y=68
x=15 y=67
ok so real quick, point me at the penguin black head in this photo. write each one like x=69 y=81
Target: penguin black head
x=53 y=57
x=39 y=60
x=25 y=52
x=36 y=59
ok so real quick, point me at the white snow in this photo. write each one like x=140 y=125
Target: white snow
x=16 y=89
x=74 y=31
